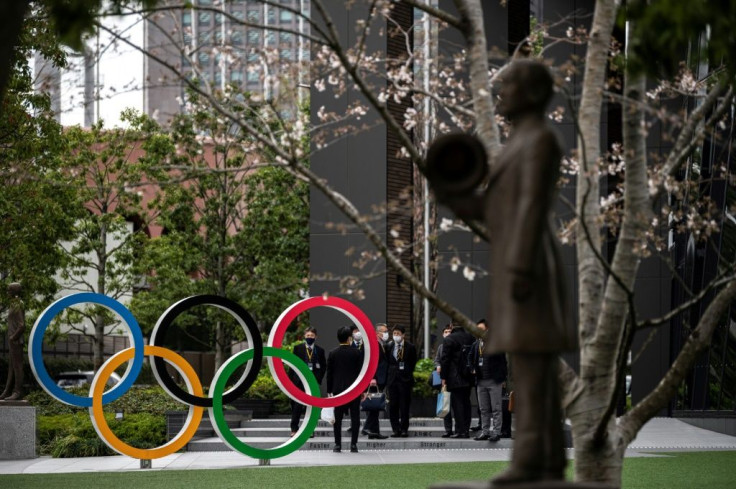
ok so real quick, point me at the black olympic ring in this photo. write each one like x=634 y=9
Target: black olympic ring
x=245 y=320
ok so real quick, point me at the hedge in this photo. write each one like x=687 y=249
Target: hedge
x=72 y=435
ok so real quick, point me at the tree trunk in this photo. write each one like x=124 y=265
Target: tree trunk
x=480 y=80
x=99 y=323
x=588 y=240
x=594 y=429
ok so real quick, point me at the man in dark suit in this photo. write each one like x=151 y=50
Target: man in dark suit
x=490 y=372
x=372 y=426
x=343 y=367
x=357 y=338
x=314 y=357
x=454 y=377
x=401 y=362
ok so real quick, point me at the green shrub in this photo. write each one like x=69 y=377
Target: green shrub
x=140 y=430
x=72 y=435
x=149 y=400
x=421 y=385
x=424 y=365
x=265 y=387
x=72 y=446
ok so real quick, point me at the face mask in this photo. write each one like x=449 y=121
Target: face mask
x=358 y=336
x=309 y=341
x=384 y=336
x=445 y=335
x=397 y=339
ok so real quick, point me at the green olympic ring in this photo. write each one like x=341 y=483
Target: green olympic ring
x=217 y=414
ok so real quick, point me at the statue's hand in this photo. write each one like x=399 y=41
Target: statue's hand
x=521 y=288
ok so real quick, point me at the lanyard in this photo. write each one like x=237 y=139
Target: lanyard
x=309 y=354
x=480 y=348
x=400 y=353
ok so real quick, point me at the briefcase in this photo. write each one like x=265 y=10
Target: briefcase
x=375 y=400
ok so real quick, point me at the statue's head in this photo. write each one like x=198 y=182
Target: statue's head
x=526 y=87
x=14 y=289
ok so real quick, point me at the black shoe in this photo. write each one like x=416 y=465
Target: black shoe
x=493 y=438
x=476 y=428
x=364 y=432
x=337 y=449
x=353 y=448
x=376 y=436
x=461 y=435
x=447 y=434
x=405 y=434
x=396 y=434
x=481 y=437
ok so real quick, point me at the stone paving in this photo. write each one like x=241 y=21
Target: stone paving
x=659 y=436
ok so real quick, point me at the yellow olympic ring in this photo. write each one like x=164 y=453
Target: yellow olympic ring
x=98 y=418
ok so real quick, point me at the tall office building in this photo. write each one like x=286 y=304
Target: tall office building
x=222 y=45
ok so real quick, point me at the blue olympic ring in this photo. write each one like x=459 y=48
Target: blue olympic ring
x=36 y=347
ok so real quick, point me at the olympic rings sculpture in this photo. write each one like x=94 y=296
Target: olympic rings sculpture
x=252 y=358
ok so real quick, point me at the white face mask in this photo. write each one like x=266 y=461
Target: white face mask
x=357 y=336
x=445 y=335
x=384 y=336
x=397 y=339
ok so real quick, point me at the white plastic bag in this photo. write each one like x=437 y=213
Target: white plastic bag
x=328 y=414
x=443 y=403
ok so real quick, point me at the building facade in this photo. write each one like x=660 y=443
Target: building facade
x=364 y=167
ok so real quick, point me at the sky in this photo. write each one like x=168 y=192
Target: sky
x=120 y=75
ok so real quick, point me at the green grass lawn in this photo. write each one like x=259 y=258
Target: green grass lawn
x=711 y=470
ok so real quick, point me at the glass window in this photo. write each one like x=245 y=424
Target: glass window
x=238 y=14
x=204 y=37
x=205 y=17
x=218 y=77
x=236 y=38
x=218 y=36
x=204 y=58
x=218 y=19
x=285 y=37
x=236 y=76
x=253 y=76
x=271 y=38
x=285 y=54
x=285 y=16
x=186 y=18
x=271 y=16
x=254 y=37
x=254 y=16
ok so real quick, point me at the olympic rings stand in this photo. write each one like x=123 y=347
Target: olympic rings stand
x=251 y=358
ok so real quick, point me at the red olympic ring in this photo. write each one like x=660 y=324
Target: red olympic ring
x=370 y=356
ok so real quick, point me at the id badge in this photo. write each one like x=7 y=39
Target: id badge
x=480 y=362
x=310 y=365
x=317 y=366
x=401 y=365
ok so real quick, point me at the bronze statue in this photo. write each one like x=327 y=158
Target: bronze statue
x=16 y=327
x=527 y=294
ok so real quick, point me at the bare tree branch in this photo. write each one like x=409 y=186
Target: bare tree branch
x=724 y=279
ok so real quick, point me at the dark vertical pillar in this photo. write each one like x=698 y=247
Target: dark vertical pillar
x=399 y=180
